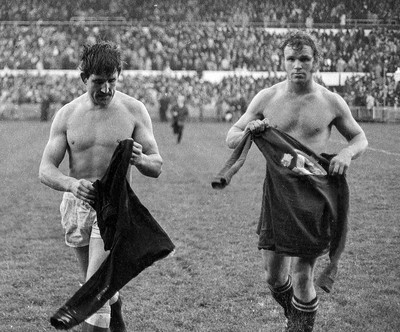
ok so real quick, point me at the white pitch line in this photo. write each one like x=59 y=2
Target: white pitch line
x=384 y=151
x=373 y=149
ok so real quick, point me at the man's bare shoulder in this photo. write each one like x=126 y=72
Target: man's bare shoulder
x=68 y=109
x=263 y=98
x=132 y=104
x=336 y=102
x=326 y=93
x=271 y=91
x=65 y=113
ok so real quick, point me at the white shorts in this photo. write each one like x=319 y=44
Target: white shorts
x=79 y=221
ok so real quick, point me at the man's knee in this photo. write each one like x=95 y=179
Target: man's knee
x=303 y=273
x=275 y=277
x=303 y=285
x=276 y=269
x=302 y=279
x=275 y=280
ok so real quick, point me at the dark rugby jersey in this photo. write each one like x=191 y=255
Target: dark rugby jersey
x=304 y=210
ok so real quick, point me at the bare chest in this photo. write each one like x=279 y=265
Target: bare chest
x=97 y=130
x=309 y=119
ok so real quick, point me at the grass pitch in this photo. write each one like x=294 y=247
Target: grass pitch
x=214 y=281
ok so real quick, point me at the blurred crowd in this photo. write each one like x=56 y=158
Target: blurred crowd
x=194 y=35
x=362 y=90
x=244 y=11
x=227 y=99
x=184 y=46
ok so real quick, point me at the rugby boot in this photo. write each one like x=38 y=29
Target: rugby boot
x=302 y=316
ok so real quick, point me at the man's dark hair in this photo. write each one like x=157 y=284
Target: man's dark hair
x=298 y=39
x=100 y=58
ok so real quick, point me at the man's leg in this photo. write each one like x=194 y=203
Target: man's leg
x=82 y=254
x=277 y=268
x=117 y=323
x=305 y=301
x=180 y=133
x=100 y=321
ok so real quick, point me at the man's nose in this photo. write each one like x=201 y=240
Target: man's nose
x=105 y=87
x=297 y=64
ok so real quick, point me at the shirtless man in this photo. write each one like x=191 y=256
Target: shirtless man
x=306 y=111
x=89 y=129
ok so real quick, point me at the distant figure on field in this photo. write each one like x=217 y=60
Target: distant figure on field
x=164 y=104
x=179 y=114
x=45 y=106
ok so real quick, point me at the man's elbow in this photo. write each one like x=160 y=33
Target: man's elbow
x=234 y=136
x=230 y=143
x=360 y=145
x=44 y=173
x=41 y=175
x=365 y=143
x=157 y=170
x=156 y=173
x=365 y=146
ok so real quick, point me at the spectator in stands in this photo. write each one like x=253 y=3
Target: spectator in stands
x=204 y=10
x=370 y=104
x=156 y=48
x=65 y=87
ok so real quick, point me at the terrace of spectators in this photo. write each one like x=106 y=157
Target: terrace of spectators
x=200 y=40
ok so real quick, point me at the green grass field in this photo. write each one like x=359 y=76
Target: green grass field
x=214 y=281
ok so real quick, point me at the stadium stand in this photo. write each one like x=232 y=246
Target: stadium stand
x=216 y=52
x=269 y=12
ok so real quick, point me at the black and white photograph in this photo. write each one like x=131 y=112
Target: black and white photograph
x=200 y=166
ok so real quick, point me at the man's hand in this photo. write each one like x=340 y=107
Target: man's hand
x=137 y=154
x=84 y=190
x=340 y=163
x=257 y=126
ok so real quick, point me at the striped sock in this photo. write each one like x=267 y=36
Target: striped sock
x=305 y=306
x=302 y=315
x=283 y=295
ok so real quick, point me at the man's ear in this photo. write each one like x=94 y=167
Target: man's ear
x=84 y=78
x=315 y=65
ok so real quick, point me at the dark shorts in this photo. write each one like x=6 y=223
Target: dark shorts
x=293 y=224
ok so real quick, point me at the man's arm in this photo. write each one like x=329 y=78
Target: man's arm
x=54 y=152
x=145 y=154
x=251 y=120
x=355 y=136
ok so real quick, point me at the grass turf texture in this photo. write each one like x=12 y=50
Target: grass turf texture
x=214 y=281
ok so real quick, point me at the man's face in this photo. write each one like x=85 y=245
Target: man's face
x=101 y=88
x=299 y=64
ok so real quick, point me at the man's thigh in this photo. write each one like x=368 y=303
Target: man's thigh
x=304 y=265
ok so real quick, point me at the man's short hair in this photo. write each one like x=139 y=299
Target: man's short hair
x=100 y=58
x=298 y=39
